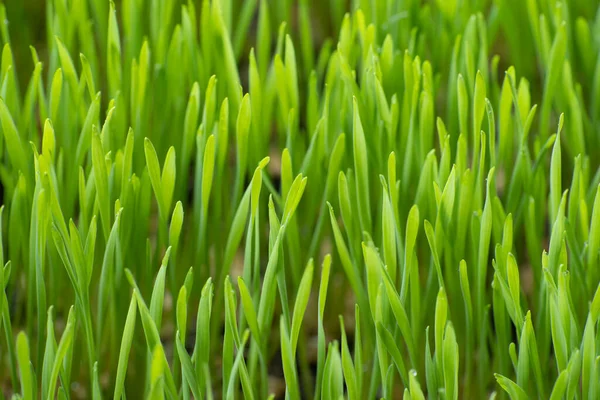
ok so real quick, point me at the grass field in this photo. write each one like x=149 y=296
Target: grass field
x=223 y=199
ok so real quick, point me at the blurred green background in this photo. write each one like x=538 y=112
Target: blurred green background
x=509 y=34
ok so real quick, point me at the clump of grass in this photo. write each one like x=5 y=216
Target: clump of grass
x=349 y=200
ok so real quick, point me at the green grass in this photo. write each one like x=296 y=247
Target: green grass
x=300 y=199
